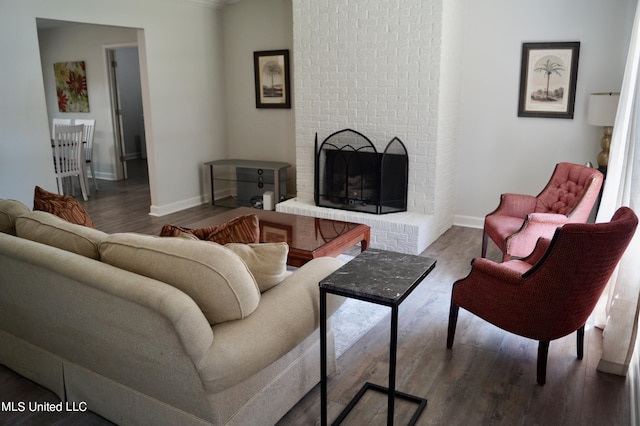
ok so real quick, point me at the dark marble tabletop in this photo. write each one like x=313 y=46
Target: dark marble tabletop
x=379 y=276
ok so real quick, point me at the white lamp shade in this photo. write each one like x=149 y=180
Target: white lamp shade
x=603 y=108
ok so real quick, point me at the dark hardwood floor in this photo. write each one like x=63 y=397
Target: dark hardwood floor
x=488 y=378
x=123 y=206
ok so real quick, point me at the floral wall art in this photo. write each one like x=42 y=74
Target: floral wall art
x=71 y=86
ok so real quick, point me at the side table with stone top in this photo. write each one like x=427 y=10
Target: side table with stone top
x=381 y=277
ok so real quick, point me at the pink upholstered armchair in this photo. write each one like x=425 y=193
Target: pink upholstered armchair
x=550 y=293
x=520 y=220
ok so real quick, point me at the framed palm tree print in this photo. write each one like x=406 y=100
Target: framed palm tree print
x=271 y=69
x=548 y=76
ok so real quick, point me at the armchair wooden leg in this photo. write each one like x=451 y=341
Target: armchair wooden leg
x=453 y=321
x=485 y=241
x=543 y=351
x=581 y=342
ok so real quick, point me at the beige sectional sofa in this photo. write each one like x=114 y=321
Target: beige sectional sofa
x=150 y=330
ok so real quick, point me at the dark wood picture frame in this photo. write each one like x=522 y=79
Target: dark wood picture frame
x=548 y=77
x=271 y=71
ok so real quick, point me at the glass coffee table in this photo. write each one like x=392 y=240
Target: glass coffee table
x=308 y=237
x=381 y=277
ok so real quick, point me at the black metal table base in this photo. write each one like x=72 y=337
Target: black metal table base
x=422 y=402
x=384 y=278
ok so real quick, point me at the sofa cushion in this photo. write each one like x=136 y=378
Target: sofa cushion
x=267 y=262
x=242 y=229
x=214 y=277
x=51 y=230
x=10 y=210
x=63 y=206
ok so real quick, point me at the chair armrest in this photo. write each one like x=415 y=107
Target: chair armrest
x=538 y=251
x=494 y=270
x=515 y=205
x=548 y=218
x=487 y=281
x=535 y=226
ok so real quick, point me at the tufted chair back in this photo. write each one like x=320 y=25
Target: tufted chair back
x=566 y=190
x=519 y=220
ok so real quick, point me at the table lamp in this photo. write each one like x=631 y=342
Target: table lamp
x=602 y=112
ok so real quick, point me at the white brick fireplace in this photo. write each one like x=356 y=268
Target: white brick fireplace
x=388 y=68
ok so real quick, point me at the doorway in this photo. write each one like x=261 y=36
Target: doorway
x=61 y=41
x=126 y=108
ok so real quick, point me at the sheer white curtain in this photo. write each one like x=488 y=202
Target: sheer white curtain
x=622 y=188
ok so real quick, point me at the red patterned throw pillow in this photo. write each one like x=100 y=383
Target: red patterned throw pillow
x=242 y=229
x=63 y=206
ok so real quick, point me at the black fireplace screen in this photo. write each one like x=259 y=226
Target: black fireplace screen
x=350 y=174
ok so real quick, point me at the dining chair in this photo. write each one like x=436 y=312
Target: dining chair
x=59 y=122
x=69 y=156
x=89 y=129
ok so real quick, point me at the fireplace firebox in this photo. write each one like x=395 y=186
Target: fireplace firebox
x=350 y=174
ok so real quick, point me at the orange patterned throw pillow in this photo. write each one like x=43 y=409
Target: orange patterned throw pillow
x=242 y=229
x=63 y=206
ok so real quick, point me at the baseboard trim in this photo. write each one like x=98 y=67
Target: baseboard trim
x=132 y=156
x=166 y=209
x=468 y=221
x=104 y=176
x=634 y=380
x=613 y=368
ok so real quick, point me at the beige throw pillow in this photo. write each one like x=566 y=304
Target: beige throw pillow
x=214 y=277
x=51 y=230
x=267 y=262
x=10 y=210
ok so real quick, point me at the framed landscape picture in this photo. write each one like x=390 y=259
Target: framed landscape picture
x=271 y=69
x=548 y=77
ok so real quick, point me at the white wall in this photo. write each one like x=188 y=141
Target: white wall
x=180 y=52
x=252 y=133
x=501 y=152
x=86 y=43
x=449 y=107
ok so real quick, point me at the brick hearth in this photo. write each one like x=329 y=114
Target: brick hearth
x=404 y=232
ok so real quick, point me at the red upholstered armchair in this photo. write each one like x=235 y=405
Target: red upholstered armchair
x=520 y=220
x=550 y=293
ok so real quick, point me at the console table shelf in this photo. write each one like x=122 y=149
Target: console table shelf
x=251 y=178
